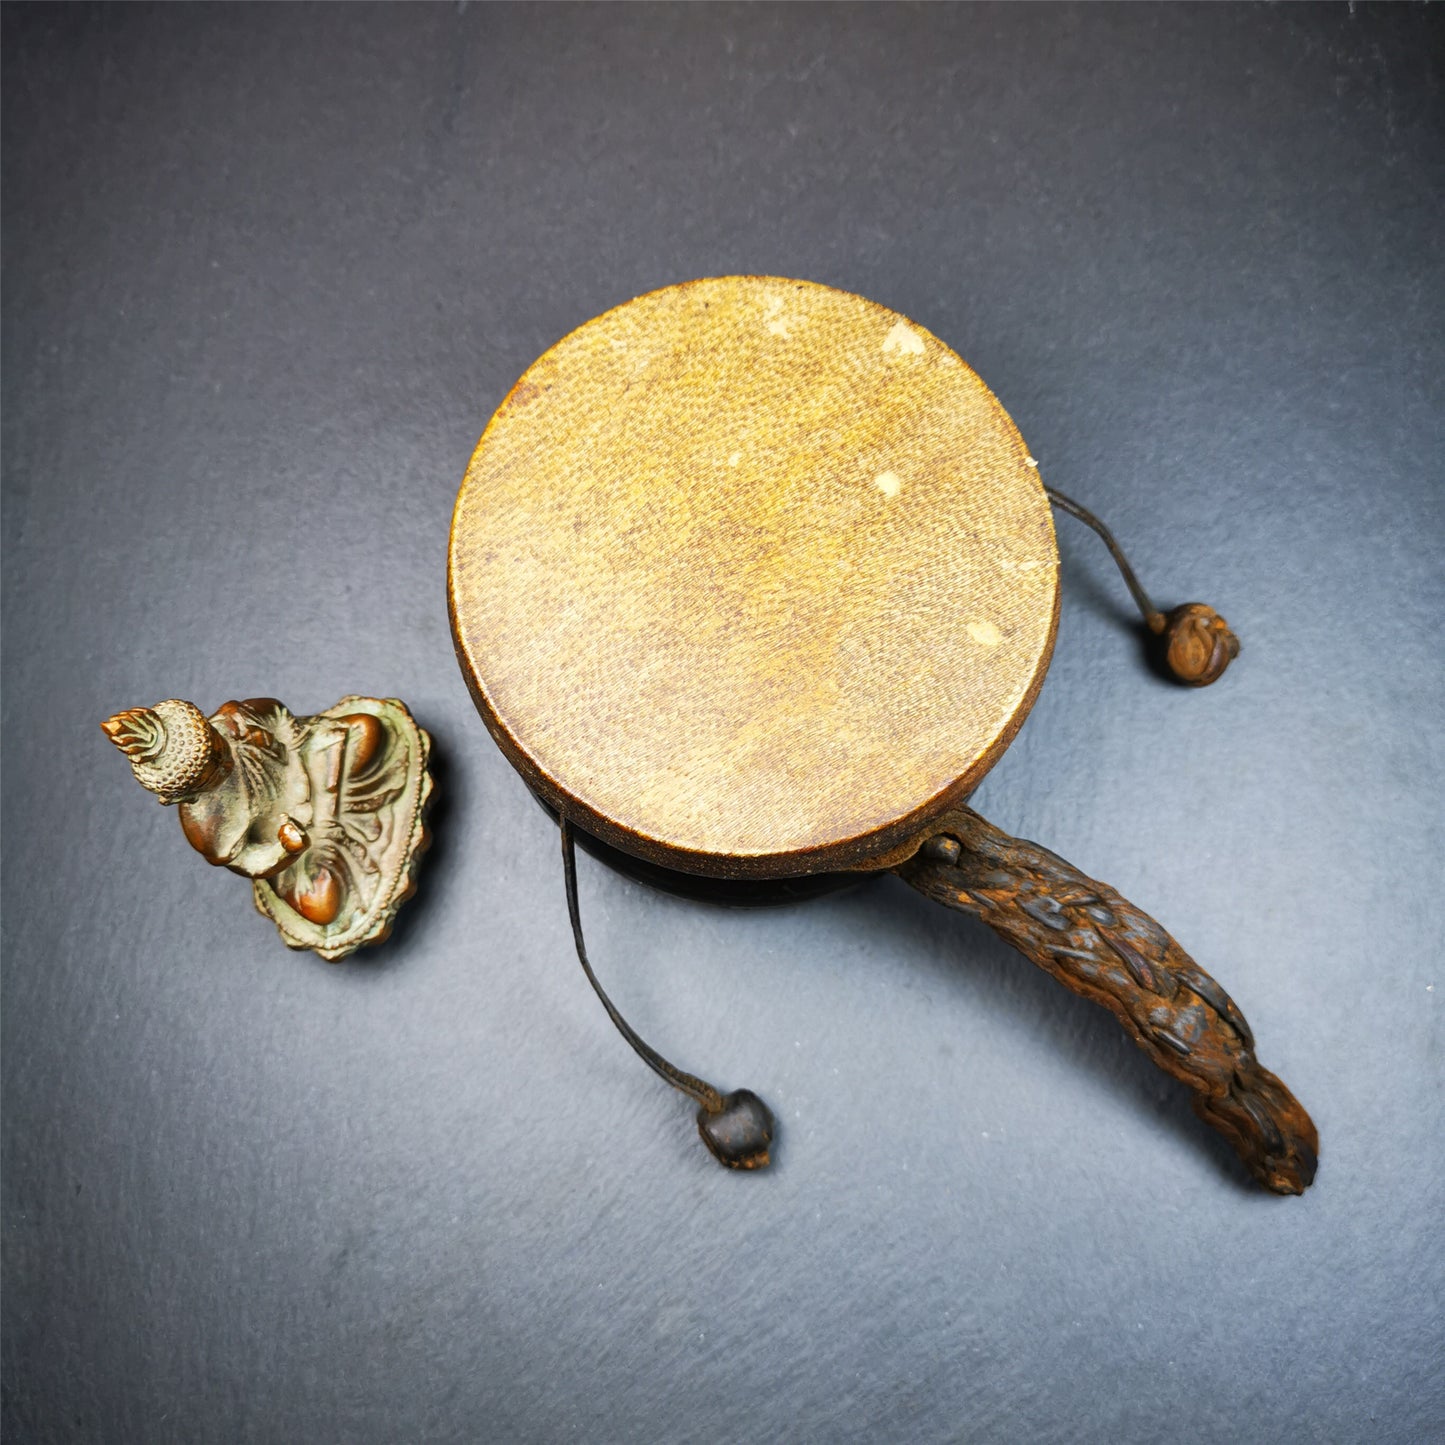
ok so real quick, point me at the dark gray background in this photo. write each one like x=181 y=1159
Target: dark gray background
x=267 y=273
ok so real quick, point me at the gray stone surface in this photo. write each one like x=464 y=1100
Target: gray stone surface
x=267 y=273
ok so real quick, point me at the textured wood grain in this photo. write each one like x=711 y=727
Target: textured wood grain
x=752 y=577
x=1098 y=944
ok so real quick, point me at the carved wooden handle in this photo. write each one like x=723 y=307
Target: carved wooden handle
x=1099 y=945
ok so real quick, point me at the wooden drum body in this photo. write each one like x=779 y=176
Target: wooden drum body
x=754 y=580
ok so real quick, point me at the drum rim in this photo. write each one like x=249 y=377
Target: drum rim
x=865 y=851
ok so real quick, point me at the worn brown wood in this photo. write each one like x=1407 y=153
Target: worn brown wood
x=1082 y=933
x=1197 y=644
x=752 y=578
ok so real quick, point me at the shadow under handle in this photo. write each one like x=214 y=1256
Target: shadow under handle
x=1099 y=945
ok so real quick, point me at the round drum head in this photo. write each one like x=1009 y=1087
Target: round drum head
x=752 y=578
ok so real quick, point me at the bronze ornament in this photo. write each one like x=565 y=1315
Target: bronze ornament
x=325 y=814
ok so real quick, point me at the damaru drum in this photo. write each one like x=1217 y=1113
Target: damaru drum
x=755 y=579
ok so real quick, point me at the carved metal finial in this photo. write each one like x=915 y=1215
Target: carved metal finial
x=325 y=814
x=171 y=747
x=138 y=732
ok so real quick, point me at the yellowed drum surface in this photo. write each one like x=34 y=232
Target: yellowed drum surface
x=752 y=577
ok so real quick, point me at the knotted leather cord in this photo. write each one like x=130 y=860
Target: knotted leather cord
x=1152 y=615
x=697 y=1089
